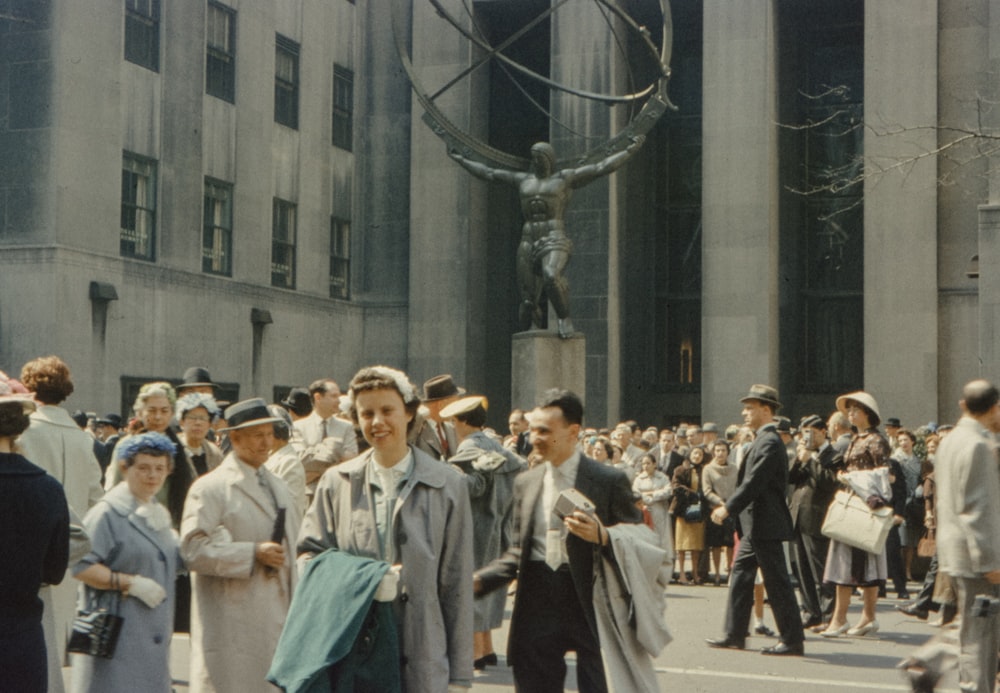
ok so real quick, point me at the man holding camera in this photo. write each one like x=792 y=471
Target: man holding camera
x=968 y=530
x=813 y=476
x=556 y=535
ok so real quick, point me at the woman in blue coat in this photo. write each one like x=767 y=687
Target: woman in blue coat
x=132 y=565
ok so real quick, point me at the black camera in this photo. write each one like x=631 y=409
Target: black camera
x=984 y=605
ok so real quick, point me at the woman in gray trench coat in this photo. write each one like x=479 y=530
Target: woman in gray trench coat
x=398 y=504
x=132 y=564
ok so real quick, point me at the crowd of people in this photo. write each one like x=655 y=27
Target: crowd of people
x=400 y=516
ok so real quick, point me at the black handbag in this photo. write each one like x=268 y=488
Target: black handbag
x=96 y=629
x=693 y=513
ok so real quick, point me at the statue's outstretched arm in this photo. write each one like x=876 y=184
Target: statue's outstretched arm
x=585 y=174
x=482 y=170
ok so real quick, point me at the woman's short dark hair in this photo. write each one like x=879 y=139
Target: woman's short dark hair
x=607 y=445
x=908 y=433
x=384 y=378
x=13 y=419
x=49 y=378
x=697 y=447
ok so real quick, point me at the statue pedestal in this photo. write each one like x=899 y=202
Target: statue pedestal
x=541 y=360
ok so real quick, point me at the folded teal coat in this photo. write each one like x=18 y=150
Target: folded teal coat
x=336 y=638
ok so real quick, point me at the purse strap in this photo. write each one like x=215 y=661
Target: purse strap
x=94 y=600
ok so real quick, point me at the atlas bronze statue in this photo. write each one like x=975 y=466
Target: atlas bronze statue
x=545 y=249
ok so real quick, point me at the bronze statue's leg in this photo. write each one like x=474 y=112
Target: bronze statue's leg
x=557 y=288
x=529 y=287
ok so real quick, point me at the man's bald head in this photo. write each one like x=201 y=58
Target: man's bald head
x=979 y=396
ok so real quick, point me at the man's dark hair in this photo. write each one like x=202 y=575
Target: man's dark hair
x=632 y=425
x=567 y=402
x=980 y=396
x=321 y=386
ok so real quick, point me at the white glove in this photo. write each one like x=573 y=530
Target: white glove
x=148 y=591
x=386 y=591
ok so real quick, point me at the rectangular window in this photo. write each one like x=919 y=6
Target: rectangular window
x=217 y=236
x=286 y=82
x=142 y=33
x=822 y=206
x=340 y=258
x=677 y=268
x=220 y=60
x=343 y=107
x=283 y=244
x=138 y=218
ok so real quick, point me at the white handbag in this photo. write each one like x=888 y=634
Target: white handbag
x=850 y=521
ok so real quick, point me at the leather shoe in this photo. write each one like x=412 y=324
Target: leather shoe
x=913 y=610
x=726 y=643
x=811 y=621
x=796 y=650
x=763 y=630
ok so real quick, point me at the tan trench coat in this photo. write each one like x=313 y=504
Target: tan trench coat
x=56 y=444
x=238 y=608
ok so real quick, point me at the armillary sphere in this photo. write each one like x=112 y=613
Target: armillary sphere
x=645 y=102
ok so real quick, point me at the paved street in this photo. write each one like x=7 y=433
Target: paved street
x=687 y=664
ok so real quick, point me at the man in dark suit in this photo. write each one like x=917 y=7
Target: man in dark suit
x=763 y=523
x=667 y=457
x=553 y=560
x=814 y=478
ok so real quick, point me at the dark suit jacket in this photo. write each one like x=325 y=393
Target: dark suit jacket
x=759 y=504
x=815 y=484
x=668 y=466
x=608 y=489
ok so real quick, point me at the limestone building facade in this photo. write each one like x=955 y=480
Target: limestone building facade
x=250 y=187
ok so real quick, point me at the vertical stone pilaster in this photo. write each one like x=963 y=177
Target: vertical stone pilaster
x=739 y=205
x=989 y=291
x=440 y=205
x=584 y=54
x=901 y=298
x=381 y=190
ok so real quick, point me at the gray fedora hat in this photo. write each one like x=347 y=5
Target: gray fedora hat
x=196 y=376
x=440 y=387
x=763 y=393
x=249 y=412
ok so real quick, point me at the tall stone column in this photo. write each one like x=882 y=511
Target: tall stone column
x=381 y=190
x=989 y=291
x=901 y=297
x=989 y=226
x=584 y=53
x=447 y=208
x=739 y=205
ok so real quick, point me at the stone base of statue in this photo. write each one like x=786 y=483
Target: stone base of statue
x=540 y=360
